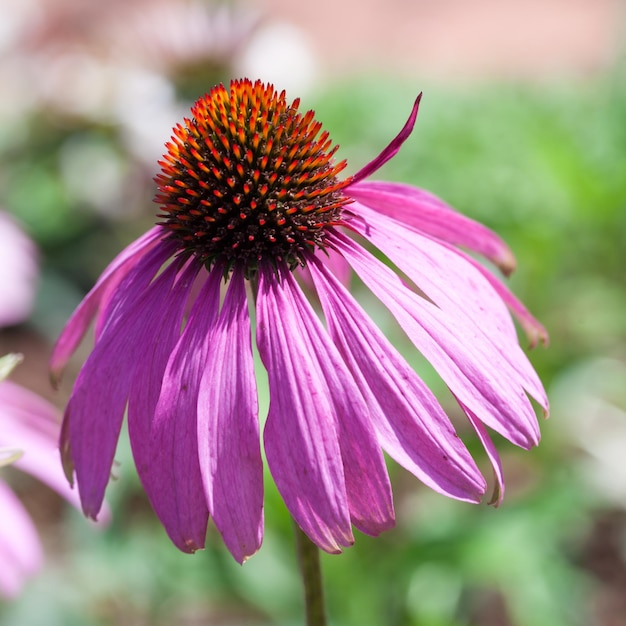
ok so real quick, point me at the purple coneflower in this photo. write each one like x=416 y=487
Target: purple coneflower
x=249 y=194
x=29 y=432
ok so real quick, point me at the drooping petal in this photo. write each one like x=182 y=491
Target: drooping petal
x=94 y=413
x=410 y=424
x=419 y=209
x=534 y=330
x=301 y=431
x=319 y=443
x=158 y=336
x=391 y=150
x=20 y=549
x=178 y=497
x=456 y=287
x=467 y=364
x=228 y=428
x=101 y=292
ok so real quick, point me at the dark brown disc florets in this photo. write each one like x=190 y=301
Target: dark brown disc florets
x=249 y=178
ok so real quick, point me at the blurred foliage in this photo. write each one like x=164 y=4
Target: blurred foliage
x=545 y=166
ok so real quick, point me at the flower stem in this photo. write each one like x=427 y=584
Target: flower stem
x=309 y=558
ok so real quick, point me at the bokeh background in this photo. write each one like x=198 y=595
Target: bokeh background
x=522 y=126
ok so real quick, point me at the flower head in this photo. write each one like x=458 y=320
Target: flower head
x=249 y=195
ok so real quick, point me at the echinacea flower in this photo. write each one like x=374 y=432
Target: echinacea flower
x=29 y=432
x=250 y=194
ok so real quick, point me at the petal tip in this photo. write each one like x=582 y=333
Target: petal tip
x=391 y=150
x=188 y=545
x=497 y=495
x=245 y=557
x=507 y=262
x=536 y=333
x=55 y=378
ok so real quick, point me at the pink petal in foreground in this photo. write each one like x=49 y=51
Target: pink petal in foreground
x=301 y=433
x=178 y=494
x=228 y=428
x=421 y=210
x=20 y=550
x=411 y=425
x=30 y=424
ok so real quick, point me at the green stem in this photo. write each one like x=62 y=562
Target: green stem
x=309 y=558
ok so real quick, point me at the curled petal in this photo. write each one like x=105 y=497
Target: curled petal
x=391 y=150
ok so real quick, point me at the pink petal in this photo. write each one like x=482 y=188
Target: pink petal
x=425 y=212
x=471 y=367
x=314 y=401
x=301 y=431
x=228 y=428
x=20 y=550
x=149 y=370
x=410 y=424
x=23 y=407
x=18 y=272
x=178 y=497
x=534 y=329
x=492 y=454
x=94 y=413
x=334 y=262
x=391 y=150
x=101 y=293
x=30 y=424
x=454 y=285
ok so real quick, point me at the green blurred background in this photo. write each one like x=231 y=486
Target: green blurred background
x=526 y=133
